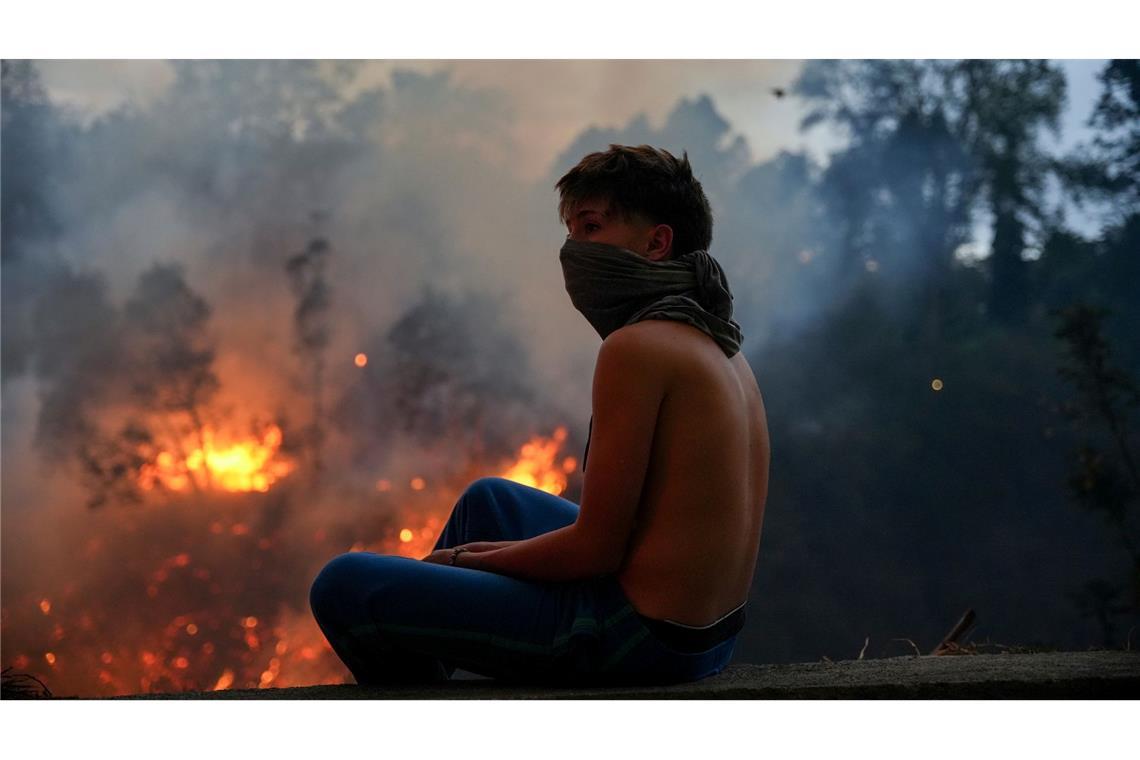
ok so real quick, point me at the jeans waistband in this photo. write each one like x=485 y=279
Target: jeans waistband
x=692 y=639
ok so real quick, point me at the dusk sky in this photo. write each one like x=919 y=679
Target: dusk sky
x=554 y=100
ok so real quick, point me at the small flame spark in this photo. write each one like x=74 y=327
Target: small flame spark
x=225 y=681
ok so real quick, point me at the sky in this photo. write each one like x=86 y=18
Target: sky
x=554 y=100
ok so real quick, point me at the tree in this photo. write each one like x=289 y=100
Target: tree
x=998 y=110
x=1109 y=169
x=311 y=328
x=900 y=188
x=1103 y=479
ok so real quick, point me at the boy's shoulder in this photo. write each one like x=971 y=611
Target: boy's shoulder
x=664 y=335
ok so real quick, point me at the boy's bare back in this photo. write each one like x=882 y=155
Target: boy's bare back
x=693 y=549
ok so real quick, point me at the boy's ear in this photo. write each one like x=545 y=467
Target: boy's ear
x=660 y=243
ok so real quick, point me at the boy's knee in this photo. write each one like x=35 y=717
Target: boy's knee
x=331 y=582
x=486 y=486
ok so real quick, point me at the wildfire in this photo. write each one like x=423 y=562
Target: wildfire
x=219 y=632
x=249 y=465
x=536 y=465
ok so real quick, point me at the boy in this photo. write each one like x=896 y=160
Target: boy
x=646 y=581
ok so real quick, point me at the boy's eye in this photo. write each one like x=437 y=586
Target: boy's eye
x=588 y=225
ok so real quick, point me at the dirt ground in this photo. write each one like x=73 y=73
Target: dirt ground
x=1051 y=675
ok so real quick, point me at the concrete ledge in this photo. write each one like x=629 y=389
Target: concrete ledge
x=1051 y=675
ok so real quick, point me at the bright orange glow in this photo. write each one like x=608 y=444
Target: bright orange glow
x=360 y=360
x=249 y=465
x=194 y=595
x=225 y=681
x=536 y=467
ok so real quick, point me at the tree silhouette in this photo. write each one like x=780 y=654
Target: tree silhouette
x=311 y=329
x=1103 y=479
x=998 y=110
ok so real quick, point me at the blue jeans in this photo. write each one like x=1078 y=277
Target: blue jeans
x=399 y=620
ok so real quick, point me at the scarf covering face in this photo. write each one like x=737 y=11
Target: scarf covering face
x=614 y=287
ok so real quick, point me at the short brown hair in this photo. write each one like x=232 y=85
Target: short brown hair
x=646 y=183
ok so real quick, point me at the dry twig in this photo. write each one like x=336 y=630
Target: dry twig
x=915 y=646
x=956 y=632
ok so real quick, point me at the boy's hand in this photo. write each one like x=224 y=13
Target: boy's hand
x=443 y=556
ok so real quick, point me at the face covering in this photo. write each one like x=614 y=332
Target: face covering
x=613 y=287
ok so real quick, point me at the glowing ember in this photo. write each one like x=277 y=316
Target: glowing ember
x=936 y=384
x=417 y=484
x=406 y=535
x=45 y=606
x=360 y=360
x=536 y=463
x=250 y=465
x=50 y=658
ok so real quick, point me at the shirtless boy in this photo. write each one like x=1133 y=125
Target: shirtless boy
x=646 y=580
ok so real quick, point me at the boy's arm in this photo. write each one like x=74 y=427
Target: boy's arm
x=555 y=556
x=629 y=386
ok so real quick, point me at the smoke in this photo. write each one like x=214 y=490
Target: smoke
x=154 y=315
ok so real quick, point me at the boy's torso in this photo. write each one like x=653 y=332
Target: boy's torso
x=693 y=549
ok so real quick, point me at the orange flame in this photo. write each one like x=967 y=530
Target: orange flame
x=536 y=467
x=250 y=465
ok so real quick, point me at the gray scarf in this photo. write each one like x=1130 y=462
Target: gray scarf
x=614 y=287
